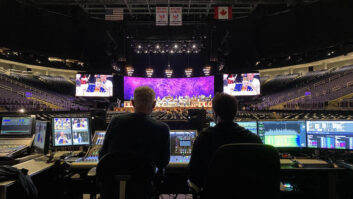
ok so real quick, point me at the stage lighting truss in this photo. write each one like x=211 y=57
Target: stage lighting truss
x=167 y=47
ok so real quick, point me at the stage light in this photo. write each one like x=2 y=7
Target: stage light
x=172 y=51
x=206 y=70
x=188 y=72
x=146 y=51
x=188 y=51
x=22 y=110
x=175 y=46
x=149 y=72
x=169 y=72
x=157 y=46
x=139 y=46
x=162 y=51
x=130 y=70
x=193 y=46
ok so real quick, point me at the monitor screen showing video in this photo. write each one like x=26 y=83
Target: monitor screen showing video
x=88 y=85
x=40 y=133
x=181 y=142
x=330 y=134
x=248 y=125
x=99 y=137
x=80 y=131
x=283 y=133
x=71 y=131
x=241 y=84
x=62 y=133
x=16 y=126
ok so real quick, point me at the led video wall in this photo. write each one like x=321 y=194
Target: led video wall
x=174 y=87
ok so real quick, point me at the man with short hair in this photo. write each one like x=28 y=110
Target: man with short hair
x=137 y=133
x=226 y=131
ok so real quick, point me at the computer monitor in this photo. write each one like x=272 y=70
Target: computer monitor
x=181 y=142
x=283 y=133
x=80 y=131
x=40 y=138
x=17 y=126
x=248 y=125
x=71 y=131
x=330 y=134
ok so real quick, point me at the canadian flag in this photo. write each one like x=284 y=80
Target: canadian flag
x=223 y=12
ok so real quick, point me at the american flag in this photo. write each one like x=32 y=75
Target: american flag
x=114 y=14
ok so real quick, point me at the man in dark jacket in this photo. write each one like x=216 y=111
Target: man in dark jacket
x=137 y=133
x=225 y=132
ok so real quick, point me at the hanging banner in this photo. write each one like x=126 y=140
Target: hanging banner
x=175 y=16
x=161 y=16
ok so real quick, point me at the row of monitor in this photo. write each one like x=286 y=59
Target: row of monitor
x=311 y=134
x=65 y=131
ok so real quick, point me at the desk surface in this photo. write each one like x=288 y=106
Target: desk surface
x=33 y=166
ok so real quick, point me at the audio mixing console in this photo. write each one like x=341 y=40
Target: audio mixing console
x=91 y=158
x=14 y=148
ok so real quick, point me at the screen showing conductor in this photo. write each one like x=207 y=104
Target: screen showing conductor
x=241 y=84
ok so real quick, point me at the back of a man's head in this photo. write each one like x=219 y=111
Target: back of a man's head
x=225 y=106
x=144 y=97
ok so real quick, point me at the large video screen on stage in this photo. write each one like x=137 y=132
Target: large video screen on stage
x=88 y=85
x=174 y=87
x=241 y=84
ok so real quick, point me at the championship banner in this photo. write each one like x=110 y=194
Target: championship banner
x=175 y=16
x=161 y=16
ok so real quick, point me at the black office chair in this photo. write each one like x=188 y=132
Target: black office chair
x=250 y=171
x=125 y=175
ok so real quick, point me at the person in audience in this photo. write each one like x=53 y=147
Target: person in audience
x=226 y=131
x=137 y=133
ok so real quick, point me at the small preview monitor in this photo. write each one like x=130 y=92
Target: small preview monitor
x=330 y=134
x=246 y=84
x=62 y=132
x=181 y=142
x=80 y=131
x=16 y=126
x=40 y=135
x=283 y=133
x=94 y=85
x=99 y=138
x=248 y=125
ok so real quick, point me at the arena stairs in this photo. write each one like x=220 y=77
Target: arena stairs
x=334 y=104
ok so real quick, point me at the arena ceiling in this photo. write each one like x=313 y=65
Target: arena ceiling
x=193 y=10
x=262 y=33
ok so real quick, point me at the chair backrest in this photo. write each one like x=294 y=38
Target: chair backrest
x=122 y=166
x=243 y=171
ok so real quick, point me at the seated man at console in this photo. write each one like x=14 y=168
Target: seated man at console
x=137 y=133
x=226 y=131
